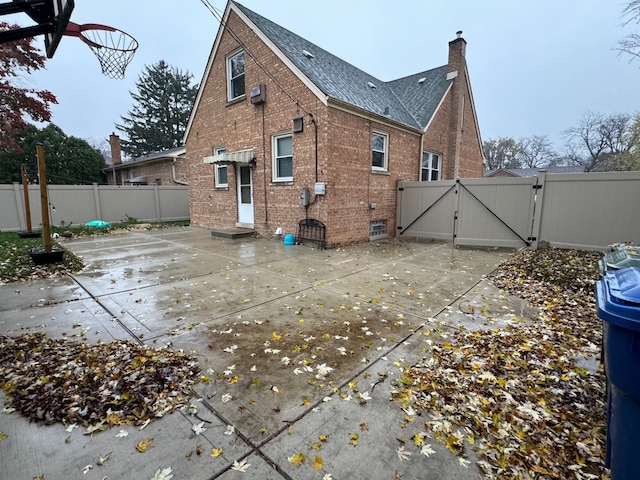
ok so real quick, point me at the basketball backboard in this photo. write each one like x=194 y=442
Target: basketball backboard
x=51 y=18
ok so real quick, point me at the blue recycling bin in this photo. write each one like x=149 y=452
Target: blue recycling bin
x=618 y=297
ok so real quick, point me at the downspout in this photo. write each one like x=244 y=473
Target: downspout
x=315 y=127
x=173 y=174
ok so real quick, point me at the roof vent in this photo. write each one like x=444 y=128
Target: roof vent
x=386 y=110
x=307 y=54
x=422 y=80
x=371 y=85
x=459 y=33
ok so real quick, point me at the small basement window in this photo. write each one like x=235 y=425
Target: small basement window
x=377 y=229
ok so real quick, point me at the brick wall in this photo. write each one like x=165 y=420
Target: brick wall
x=240 y=126
x=342 y=157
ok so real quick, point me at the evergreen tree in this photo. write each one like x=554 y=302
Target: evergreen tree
x=161 y=110
x=69 y=160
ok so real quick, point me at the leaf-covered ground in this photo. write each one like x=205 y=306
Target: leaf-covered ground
x=100 y=385
x=520 y=396
x=16 y=264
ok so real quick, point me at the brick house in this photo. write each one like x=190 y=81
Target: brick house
x=277 y=115
x=167 y=167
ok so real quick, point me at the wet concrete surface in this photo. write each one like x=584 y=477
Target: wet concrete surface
x=299 y=348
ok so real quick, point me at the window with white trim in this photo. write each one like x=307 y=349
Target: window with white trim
x=283 y=158
x=431 y=165
x=235 y=76
x=379 y=143
x=221 y=170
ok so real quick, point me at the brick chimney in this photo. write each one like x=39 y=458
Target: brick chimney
x=456 y=71
x=457 y=50
x=116 y=152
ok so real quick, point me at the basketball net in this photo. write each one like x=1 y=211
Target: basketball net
x=114 y=48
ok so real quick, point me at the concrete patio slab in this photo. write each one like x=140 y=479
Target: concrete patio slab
x=299 y=349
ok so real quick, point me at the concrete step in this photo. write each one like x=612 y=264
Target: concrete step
x=233 y=233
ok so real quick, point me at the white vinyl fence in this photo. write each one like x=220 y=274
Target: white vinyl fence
x=78 y=204
x=587 y=211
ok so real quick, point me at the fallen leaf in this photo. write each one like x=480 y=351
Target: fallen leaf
x=198 y=428
x=143 y=445
x=216 y=452
x=426 y=450
x=86 y=469
x=353 y=439
x=3 y=436
x=402 y=453
x=163 y=474
x=316 y=464
x=297 y=459
x=240 y=466
x=364 y=427
x=102 y=459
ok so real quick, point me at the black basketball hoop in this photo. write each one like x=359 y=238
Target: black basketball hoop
x=114 y=48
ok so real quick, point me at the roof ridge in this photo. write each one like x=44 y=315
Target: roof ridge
x=335 y=77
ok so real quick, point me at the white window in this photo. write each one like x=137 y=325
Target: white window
x=431 y=164
x=283 y=158
x=220 y=170
x=235 y=76
x=379 y=144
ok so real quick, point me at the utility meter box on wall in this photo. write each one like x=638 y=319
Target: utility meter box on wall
x=304 y=197
x=320 y=188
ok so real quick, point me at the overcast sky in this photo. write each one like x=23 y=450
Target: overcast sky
x=536 y=67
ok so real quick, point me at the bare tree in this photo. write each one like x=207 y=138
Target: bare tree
x=535 y=151
x=501 y=153
x=630 y=45
x=603 y=141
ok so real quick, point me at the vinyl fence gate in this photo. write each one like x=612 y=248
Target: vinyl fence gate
x=585 y=211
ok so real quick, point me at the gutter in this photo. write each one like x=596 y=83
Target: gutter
x=173 y=174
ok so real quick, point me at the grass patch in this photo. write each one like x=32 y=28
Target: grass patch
x=16 y=264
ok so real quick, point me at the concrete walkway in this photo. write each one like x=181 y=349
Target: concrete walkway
x=300 y=346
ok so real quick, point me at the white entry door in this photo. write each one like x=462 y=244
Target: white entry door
x=245 y=196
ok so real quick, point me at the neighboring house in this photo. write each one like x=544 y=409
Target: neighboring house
x=160 y=168
x=532 y=172
x=279 y=122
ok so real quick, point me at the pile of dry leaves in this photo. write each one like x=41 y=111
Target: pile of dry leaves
x=520 y=396
x=116 y=383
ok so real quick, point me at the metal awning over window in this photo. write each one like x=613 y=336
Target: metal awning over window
x=226 y=158
x=137 y=180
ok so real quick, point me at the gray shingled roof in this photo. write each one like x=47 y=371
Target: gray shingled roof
x=404 y=100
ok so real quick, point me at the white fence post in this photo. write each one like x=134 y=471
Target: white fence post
x=538 y=205
x=19 y=205
x=156 y=196
x=96 y=199
x=400 y=191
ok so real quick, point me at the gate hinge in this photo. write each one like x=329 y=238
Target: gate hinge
x=399 y=228
x=401 y=189
x=532 y=239
x=536 y=187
